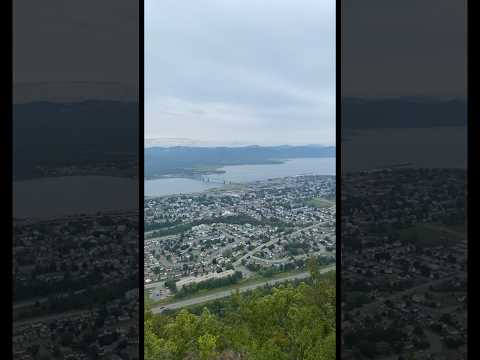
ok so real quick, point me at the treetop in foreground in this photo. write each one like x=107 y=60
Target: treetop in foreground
x=288 y=322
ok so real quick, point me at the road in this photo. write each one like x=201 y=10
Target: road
x=270 y=242
x=222 y=294
x=285 y=260
x=395 y=296
x=51 y=317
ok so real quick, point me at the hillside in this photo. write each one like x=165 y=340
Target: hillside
x=403 y=112
x=283 y=323
x=87 y=133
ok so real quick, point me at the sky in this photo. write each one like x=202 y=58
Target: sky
x=240 y=71
x=72 y=50
x=404 y=48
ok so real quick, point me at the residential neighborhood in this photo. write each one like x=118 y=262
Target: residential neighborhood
x=275 y=224
x=76 y=288
x=404 y=264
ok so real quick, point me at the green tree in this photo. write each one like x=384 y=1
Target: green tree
x=207 y=345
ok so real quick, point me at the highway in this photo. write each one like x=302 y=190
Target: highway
x=222 y=294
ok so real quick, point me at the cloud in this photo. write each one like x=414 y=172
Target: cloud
x=240 y=70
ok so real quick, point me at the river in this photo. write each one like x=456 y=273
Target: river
x=241 y=174
x=53 y=197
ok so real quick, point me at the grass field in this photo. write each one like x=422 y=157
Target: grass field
x=431 y=234
x=320 y=203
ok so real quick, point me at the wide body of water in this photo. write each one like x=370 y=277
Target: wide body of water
x=420 y=147
x=72 y=195
x=241 y=174
x=367 y=149
x=56 y=197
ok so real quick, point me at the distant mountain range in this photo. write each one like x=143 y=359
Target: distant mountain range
x=403 y=112
x=169 y=142
x=50 y=134
x=181 y=159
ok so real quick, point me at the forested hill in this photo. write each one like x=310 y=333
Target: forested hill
x=87 y=133
x=168 y=160
x=403 y=112
x=288 y=322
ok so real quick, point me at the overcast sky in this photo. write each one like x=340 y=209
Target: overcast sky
x=404 y=48
x=70 y=50
x=244 y=71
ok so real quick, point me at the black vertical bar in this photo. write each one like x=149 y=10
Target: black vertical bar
x=470 y=193
x=141 y=183
x=338 y=174
x=8 y=166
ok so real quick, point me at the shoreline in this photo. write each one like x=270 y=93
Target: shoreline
x=232 y=186
x=190 y=173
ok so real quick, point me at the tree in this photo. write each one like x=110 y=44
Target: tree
x=171 y=284
x=280 y=323
x=207 y=346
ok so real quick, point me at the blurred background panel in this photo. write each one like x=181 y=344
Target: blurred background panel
x=75 y=179
x=404 y=157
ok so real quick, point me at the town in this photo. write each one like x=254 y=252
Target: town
x=404 y=253
x=236 y=232
x=76 y=288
